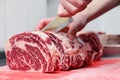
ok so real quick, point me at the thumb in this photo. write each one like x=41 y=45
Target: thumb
x=79 y=22
x=72 y=31
x=76 y=26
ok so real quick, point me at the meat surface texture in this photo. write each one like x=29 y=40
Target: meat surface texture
x=49 y=52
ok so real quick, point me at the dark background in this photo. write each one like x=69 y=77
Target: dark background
x=2 y=58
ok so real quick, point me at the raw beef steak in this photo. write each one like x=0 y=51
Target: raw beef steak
x=93 y=43
x=49 y=52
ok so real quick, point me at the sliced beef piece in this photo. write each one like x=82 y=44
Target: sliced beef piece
x=93 y=44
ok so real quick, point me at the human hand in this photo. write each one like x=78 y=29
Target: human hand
x=71 y=7
x=79 y=22
x=43 y=23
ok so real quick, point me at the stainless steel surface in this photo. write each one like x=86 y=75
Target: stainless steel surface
x=2 y=62
x=57 y=24
x=110 y=39
x=111 y=49
x=2 y=58
x=111 y=43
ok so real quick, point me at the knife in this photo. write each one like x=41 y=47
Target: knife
x=58 y=24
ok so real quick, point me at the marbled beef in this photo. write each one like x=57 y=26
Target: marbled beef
x=49 y=52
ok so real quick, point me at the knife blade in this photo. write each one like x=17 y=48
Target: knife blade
x=58 y=24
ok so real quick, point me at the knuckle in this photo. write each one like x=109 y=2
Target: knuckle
x=73 y=12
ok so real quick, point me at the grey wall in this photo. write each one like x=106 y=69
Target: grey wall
x=20 y=15
x=52 y=6
x=109 y=22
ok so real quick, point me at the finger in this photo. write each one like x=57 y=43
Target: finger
x=40 y=25
x=71 y=9
x=72 y=35
x=80 y=4
x=72 y=31
x=43 y=23
x=62 y=12
x=76 y=3
x=74 y=28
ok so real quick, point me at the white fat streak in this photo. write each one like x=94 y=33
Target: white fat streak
x=41 y=34
x=21 y=44
x=82 y=56
x=8 y=46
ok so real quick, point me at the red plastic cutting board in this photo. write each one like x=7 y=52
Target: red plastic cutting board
x=105 y=69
